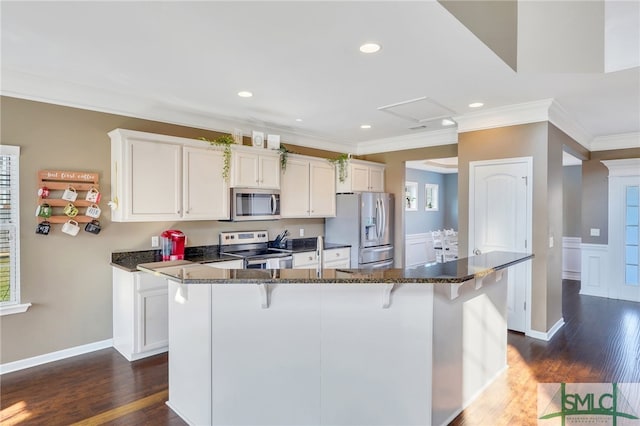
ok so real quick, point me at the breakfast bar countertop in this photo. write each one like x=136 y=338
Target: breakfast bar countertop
x=458 y=271
x=129 y=260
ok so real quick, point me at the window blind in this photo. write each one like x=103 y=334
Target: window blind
x=9 y=226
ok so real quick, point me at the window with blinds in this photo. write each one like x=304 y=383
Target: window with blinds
x=9 y=225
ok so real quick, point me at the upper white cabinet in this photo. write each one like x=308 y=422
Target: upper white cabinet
x=307 y=188
x=164 y=178
x=206 y=194
x=362 y=176
x=255 y=168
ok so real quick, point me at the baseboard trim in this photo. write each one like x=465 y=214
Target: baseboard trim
x=549 y=334
x=571 y=275
x=21 y=364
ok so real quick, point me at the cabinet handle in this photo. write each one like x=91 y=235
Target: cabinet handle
x=310 y=257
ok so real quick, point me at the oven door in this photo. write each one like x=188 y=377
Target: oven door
x=254 y=204
x=284 y=262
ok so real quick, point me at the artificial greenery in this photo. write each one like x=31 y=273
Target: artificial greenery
x=224 y=141
x=341 y=163
x=284 y=153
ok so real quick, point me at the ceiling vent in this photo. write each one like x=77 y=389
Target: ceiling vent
x=419 y=110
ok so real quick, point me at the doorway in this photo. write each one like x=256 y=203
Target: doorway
x=500 y=219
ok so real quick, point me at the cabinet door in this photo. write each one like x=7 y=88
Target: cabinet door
x=153 y=328
x=294 y=189
x=245 y=169
x=206 y=193
x=376 y=179
x=322 y=189
x=359 y=177
x=269 y=171
x=155 y=171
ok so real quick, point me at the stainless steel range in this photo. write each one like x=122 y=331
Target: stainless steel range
x=253 y=247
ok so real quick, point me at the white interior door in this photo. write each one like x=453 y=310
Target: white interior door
x=500 y=206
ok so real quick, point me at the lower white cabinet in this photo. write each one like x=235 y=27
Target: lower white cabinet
x=140 y=314
x=336 y=258
x=305 y=260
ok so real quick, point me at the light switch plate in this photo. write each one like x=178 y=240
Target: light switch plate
x=302 y=232
x=595 y=232
x=155 y=242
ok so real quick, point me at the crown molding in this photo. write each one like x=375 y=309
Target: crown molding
x=510 y=115
x=620 y=141
x=559 y=117
x=623 y=167
x=412 y=141
x=74 y=95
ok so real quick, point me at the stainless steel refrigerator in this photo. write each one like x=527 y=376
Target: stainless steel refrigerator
x=364 y=221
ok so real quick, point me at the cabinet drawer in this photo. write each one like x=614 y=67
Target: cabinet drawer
x=306 y=258
x=336 y=254
x=146 y=282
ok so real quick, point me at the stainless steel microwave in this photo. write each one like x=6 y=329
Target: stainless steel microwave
x=254 y=204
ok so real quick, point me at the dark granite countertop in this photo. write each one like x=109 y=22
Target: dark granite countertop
x=129 y=260
x=457 y=271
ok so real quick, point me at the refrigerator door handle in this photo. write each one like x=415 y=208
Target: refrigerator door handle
x=379 y=218
x=383 y=226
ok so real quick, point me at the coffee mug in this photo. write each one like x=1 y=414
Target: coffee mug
x=44 y=210
x=70 y=210
x=44 y=192
x=70 y=194
x=93 y=227
x=43 y=228
x=93 y=195
x=93 y=211
x=71 y=227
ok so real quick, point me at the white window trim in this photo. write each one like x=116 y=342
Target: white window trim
x=17 y=306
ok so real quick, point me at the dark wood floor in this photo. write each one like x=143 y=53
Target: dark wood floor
x=600 y=342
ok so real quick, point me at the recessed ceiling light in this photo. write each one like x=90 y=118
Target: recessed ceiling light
x=298 y=119
x=245 y=94
x=476 y=105
x=370 y=48
x=447 y=122
x=365 y=126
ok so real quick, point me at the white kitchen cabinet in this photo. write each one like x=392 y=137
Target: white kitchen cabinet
x=305 y=260
x=336 y=258
x=227 y=264
x=140 y=314
x=362 y=176
x=165 y=178
x=307 y=188
x=255 y=168
x=206 y=194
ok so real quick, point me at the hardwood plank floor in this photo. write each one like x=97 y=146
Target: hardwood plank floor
x=600 y=342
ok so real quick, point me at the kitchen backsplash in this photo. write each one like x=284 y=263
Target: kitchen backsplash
x=206 y=232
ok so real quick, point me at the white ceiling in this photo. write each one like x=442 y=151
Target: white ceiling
x=184 y=62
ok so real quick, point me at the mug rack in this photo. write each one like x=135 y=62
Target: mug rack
x=57 y=181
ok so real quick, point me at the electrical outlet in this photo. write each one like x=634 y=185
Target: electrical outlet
x=595 y=232
x=302 y=232
x=155 y=242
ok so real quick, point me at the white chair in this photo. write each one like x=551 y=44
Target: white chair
x=450 y=248
x=437 y=237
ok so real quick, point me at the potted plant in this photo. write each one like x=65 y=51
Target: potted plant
x=224 y=141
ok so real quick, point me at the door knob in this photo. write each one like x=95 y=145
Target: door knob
x=477 y=252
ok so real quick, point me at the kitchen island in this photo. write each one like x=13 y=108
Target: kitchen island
x=394 y=347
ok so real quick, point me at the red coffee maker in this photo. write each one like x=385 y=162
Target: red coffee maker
x=172 y=244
